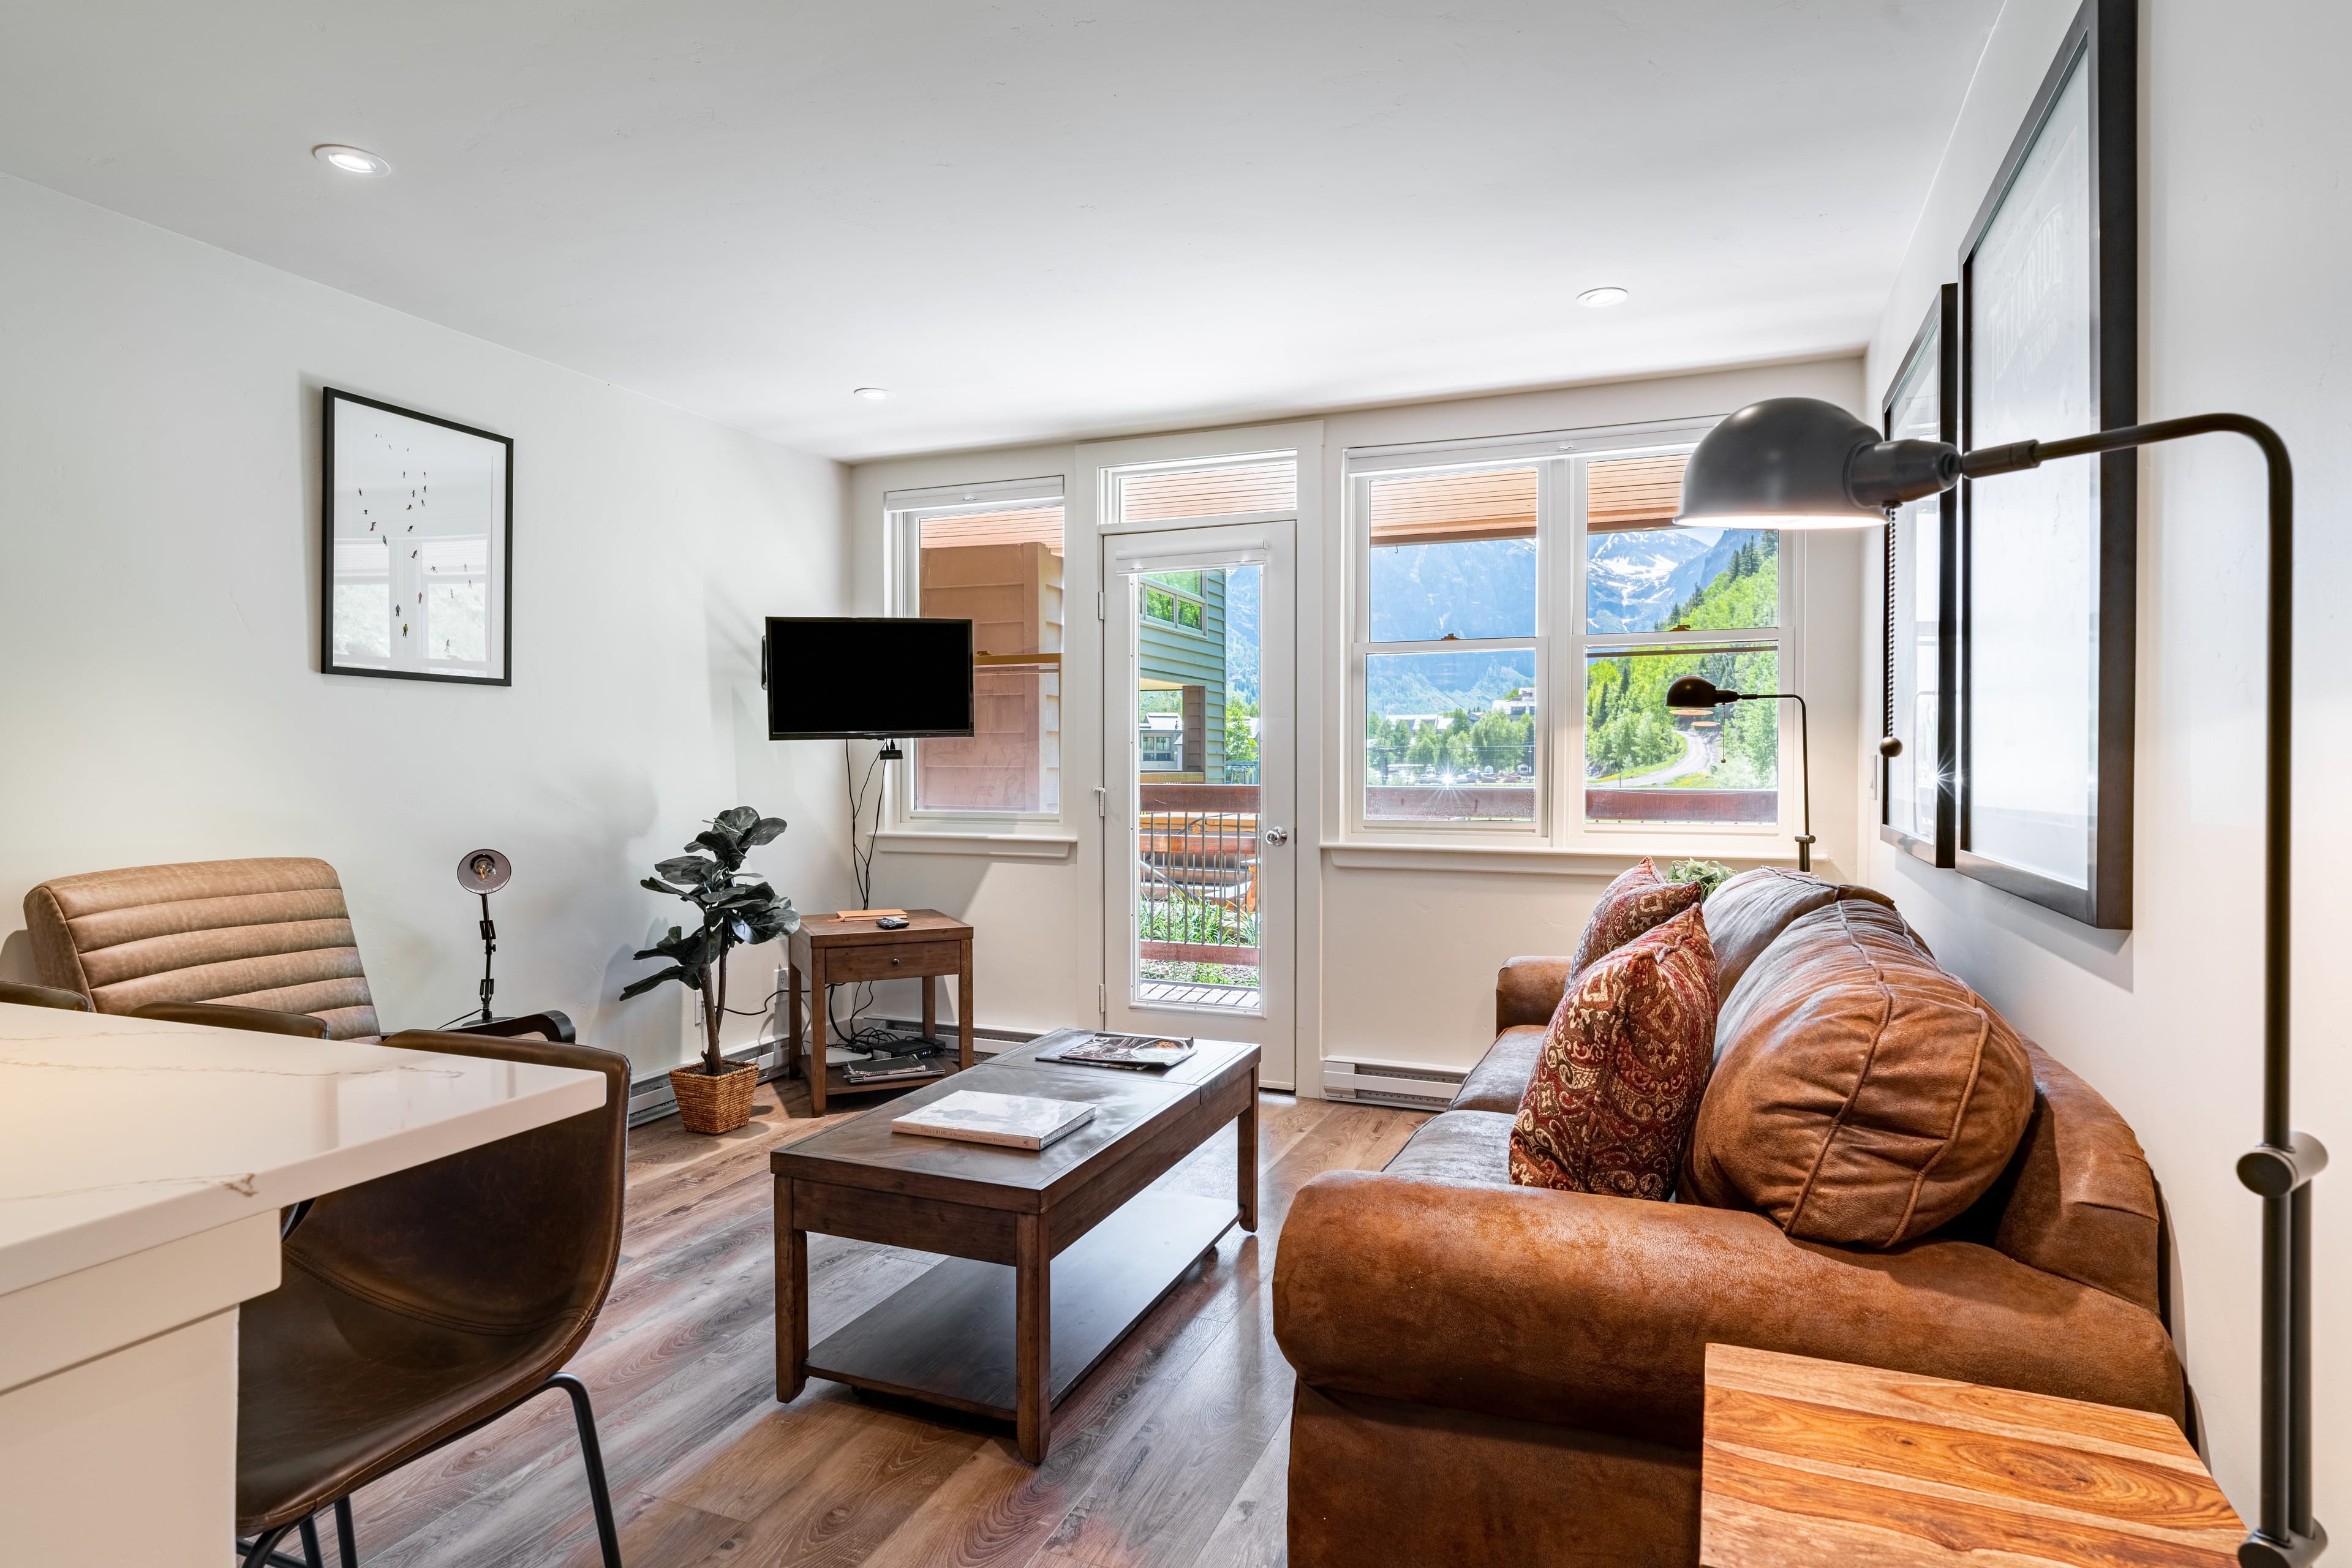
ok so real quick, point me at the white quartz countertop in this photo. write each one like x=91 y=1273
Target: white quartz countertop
x=119 y=1134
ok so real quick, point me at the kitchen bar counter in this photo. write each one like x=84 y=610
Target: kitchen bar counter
x=143 y=1166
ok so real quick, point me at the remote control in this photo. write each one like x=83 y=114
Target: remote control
x=893 y=922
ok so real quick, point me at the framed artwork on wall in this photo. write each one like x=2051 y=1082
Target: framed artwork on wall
x=2049 y=334
x=418 y=535
x=1918 y=803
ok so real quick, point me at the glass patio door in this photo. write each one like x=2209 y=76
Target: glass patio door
x=1199 y=717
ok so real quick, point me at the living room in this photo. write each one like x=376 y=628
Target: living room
x=1393 y=390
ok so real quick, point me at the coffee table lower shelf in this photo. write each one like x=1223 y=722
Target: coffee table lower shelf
x=948 y=1339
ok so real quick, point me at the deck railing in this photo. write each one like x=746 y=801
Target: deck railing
x=1197 y=880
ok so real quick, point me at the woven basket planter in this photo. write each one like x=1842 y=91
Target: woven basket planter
x=721 y=1104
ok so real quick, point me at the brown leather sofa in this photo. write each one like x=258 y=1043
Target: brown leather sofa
x=1493 y=1374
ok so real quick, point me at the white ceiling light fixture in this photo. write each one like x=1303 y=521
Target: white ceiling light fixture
x=1602 y=299
x=871 y=393
x=350 y=159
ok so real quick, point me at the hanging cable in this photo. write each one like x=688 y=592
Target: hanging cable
x=861 y=865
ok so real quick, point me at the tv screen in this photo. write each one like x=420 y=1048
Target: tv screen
x=881 y=677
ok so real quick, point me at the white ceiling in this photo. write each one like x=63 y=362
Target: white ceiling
x=1032 y=218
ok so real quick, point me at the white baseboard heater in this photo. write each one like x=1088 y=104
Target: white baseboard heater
x=1390 y=1083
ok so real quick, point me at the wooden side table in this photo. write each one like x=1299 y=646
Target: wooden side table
x=830 y=950
x=1808 y=1462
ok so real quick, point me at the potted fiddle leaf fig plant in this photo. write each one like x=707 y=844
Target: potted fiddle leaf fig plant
x=736 y=910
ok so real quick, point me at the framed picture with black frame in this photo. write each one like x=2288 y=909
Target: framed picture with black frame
x=1918 y=804
x=2049 y=348
x=416 y=545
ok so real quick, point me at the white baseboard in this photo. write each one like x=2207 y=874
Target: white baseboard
x=1390 y=1083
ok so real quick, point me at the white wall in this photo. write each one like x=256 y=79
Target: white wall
x=2244 y=126
x=1407 y=956
x=159 y=432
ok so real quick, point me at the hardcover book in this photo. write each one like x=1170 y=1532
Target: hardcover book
x=1008 y=1121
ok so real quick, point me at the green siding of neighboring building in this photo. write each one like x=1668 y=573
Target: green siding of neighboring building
x=1187 y=657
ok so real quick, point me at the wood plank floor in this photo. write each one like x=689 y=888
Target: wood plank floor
x=1174 y=1453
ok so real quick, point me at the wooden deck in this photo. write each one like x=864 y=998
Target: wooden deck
x=1174 y=1453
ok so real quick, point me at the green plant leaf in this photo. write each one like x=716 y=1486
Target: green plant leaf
x=736 y=821
x=767 y=830
x=728 y=852
x=639 y=987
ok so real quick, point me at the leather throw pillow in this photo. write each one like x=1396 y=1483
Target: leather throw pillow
x=1862 y=1096
x=1624 y=1066
x=1747 y=914
x=1635 y=901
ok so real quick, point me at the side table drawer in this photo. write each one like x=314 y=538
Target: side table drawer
x=882 y=960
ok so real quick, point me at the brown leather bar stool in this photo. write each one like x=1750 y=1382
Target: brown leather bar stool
x=270 y=934
x=44 y=996
x=225 y=1015
x=423 y=1305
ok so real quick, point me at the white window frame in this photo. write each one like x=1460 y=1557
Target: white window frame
x=1561 y=644
x=904 y=513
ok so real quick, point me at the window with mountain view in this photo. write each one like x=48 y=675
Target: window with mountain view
x=1450 y=679
x=1470 y=580
x=1646 y=580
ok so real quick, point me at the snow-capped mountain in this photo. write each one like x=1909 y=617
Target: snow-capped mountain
x=1634 y=580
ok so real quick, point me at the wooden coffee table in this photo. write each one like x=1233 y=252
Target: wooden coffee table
x=1053 y=1256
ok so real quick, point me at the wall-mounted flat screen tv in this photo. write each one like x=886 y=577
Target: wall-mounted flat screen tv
x=875 y=677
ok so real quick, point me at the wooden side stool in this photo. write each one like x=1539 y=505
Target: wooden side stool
x=1808 y=1462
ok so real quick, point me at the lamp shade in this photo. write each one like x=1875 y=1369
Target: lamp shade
x=1696 y=694
x=1781 y=463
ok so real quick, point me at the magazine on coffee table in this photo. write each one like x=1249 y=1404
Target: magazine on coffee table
x=1094 y=1049
x=1008 y=1121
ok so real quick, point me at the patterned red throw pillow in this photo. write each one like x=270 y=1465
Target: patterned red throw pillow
x=1625 y=1064
x=1629 y=906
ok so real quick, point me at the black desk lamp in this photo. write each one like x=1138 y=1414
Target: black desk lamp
x=1797 y=462
x=484 y=872
x=1694 y=694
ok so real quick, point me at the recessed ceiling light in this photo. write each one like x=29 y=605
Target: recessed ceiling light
x=1602 y=299
x=352 y=160
x=871 y=393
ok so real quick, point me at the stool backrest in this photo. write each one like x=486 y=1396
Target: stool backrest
x=260 y=934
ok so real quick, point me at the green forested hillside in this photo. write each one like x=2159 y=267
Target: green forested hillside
x=1627 y=730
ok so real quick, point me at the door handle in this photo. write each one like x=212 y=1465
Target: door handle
x=1278 y=836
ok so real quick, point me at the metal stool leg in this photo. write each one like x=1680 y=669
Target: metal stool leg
x=607 y=1535
x=312 y=1556
x=265 y=1545
x=347 y=1541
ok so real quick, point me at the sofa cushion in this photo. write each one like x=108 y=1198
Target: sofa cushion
x=1629 y=906
x=1747 y=913
x=1862 y=1096
x=1499 y=1081
x=1465 y=1148
x=1623 y=1065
